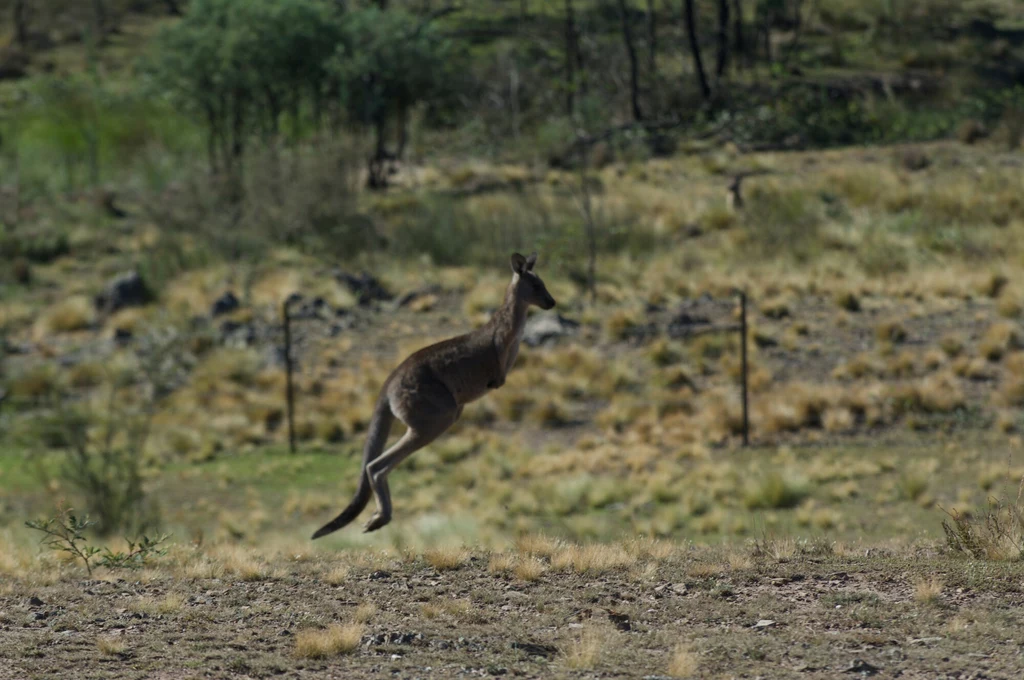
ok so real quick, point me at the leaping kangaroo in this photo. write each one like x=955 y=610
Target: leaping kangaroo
x=428 y=390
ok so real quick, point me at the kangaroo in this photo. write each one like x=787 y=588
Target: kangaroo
x=429 y=389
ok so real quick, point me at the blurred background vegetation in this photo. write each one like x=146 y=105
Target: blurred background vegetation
x=272 y=147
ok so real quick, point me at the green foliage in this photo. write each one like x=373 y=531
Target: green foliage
x=391 y=61
x=102 y=450
x=65 y=532
x=784 y=222
x=37 y=244
x=270 y=68
x=247 y=68
x=775 y=491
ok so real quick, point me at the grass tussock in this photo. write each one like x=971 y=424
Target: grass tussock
x=585 y=650
x=775 y=490
x=67 y=316
x=683 y=662
x=592 y=558
x=338 y=575
x=446 y=558
x=111 y=645
x=928 y=590
x=334 y=640
x=1000 y=339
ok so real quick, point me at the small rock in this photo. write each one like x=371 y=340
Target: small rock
x=125 y=290
x=764 y=623
x=379 y=575
x=35 y=601
x=542 y=328
x=862 y=667
x=122 y=335
x=364 y=286
x=534 y=649
x=679 y=589
x=621 y=621
x=225 y=304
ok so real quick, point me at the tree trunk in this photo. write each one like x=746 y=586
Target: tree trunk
x=20 y=24
x=634 y=69
x=698 y=63
x=739 y=44
x=403 y=131
x=723 y=38
x=652 y=39
x=100 y=17
x=570 y=59
x=174 y=7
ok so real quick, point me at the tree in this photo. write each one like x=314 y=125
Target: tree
x=698 y=63
x=20 y=24
x=738 y=39
x=248 y=68
x=723 y=38
x=571 y=58
x=652 y=39
x=390 y=62
x=634 y=69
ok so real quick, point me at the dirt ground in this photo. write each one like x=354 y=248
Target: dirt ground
x=782 y=611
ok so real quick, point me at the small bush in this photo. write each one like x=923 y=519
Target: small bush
x=998 y=534
x=774 y=491
x=37 y=245
x=783 y=222
x=892 y=331
x=848 y=300
x=999 y=339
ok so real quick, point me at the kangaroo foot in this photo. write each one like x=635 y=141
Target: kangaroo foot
x=376 y=522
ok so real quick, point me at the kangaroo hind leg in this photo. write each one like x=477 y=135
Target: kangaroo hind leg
x=415 y=438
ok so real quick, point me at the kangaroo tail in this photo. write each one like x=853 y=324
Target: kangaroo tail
x=376 y=438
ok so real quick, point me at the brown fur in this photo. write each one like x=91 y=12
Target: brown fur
x=429 y=389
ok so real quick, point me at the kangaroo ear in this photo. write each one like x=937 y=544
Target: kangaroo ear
x=531 y=260
x=518 y=263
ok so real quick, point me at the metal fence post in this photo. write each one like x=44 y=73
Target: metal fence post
x=743 y=367
x=290 y=394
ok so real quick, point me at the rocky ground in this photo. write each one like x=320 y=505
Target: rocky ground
x=776 y=609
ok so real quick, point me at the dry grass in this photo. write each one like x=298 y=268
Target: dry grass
x=446 y=558
x=529 y=569
x=67 y=316
x=364 y=612
x=244 y=563
x=1001 y=338
x=683 y=663
x=169 y=604
x=111 y=645
x=538 y=545
x=928 y=590
x=332 y=641
x=585 y=650
x=460 y=609
x=502 y=563
x=592 y=558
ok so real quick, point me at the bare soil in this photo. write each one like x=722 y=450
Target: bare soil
x=812 y=615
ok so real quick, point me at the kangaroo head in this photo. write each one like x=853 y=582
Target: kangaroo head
x=528 y=286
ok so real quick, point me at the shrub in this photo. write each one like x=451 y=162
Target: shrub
x=774 y=490
x=782 y=222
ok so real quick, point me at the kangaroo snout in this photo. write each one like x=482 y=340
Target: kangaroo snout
x=549 y=303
